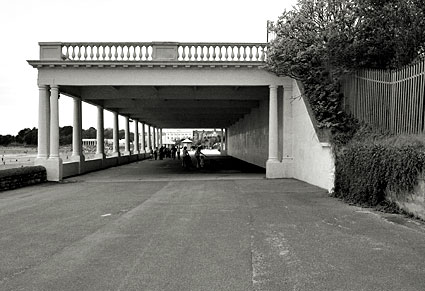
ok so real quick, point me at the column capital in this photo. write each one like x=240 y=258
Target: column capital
x=43 y=87
x=273 y=87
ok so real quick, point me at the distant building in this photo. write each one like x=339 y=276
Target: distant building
x=170 y=136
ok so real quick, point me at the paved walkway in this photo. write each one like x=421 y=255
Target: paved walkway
x=152 y=226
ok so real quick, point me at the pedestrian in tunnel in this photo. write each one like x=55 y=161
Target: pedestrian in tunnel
x=151 y=153
x=198 y=155
x=161 y=153
x=187 y=162
x=155 y=153
x=173 y=152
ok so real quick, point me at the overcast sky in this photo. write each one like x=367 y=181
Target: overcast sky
x=24 y=23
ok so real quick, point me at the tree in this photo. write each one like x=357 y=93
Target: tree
x=31 y=137
x=108 y=133
x=321 y=40
x=390 y=33
x=65 y=135
x=89 y=133
x=27 y=136
x=5 y=140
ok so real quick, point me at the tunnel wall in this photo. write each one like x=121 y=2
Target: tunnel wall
x=248 y=138
x=311 y=161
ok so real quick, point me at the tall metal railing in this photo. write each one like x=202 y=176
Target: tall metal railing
x=389 y=100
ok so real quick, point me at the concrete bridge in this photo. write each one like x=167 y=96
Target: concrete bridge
x=179 y=85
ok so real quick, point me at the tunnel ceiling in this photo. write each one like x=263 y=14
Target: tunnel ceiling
x=175 y=106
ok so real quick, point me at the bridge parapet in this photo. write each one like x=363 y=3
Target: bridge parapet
x=152 y=51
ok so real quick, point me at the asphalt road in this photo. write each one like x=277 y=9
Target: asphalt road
x=152 y=226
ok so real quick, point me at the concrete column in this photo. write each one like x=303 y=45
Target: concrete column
x=100 y=134
x=43 y=124
x=77 y=151
x=115 y=133
x=149 y=137
x=273 y=166
x=224 y=141
x=154 y=138
x=127 y=136
x=136 y=150
x=221 y=140
x=226 y=136
x=54 y=122
x=54 y=163
x=160 y=137
x=143 y=145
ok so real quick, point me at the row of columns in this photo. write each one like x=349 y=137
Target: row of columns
x=48 y=133
x=152 y=131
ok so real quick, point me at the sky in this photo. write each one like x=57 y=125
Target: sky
x=25 y=23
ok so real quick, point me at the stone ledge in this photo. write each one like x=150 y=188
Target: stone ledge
x=147 y=64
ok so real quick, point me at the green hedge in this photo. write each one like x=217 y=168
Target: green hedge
x=365 y=171
x=20 y=177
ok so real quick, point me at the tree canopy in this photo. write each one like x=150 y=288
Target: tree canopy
x=341 y=35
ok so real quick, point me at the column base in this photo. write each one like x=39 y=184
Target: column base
x=54 y=168
x=126 y=153
x=274 y=169
x=223 y=152
x=136 y=152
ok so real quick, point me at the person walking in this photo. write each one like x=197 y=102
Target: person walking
x=173 y=152
x=198 y=155
x=186 y=163
x=161 y=152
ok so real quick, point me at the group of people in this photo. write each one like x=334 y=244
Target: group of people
x=187 y=160
x=174 y=153
x=164 y=152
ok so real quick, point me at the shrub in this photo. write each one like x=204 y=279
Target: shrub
x=365 y=171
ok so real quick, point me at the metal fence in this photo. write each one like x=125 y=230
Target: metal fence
x=388 y=100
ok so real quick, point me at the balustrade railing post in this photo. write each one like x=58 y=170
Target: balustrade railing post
x=158 y=51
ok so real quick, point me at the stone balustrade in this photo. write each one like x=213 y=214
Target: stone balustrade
x=153 y=51
x=224 y=52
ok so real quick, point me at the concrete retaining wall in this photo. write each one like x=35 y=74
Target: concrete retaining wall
x=73 y=168
x=313 y=159
x=70 y=169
